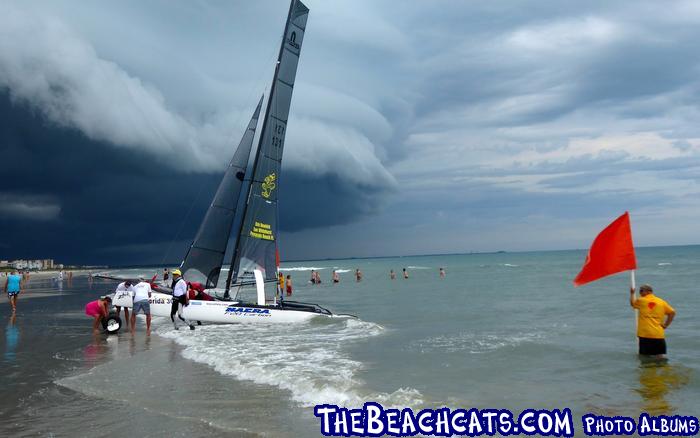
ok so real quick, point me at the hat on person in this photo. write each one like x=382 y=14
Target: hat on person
x=177 y=272
x=646 y=288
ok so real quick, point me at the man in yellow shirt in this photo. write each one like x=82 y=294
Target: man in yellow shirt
x=655 y=315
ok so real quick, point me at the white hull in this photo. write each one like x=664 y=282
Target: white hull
x=221 y=312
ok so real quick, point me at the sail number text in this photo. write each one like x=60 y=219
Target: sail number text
x=278 y=135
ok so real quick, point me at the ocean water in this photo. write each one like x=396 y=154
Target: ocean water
x=504 y=330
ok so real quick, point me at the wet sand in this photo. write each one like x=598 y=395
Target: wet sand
x=59 y=380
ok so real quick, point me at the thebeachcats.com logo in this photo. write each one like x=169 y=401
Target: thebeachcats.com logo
x=374 y=420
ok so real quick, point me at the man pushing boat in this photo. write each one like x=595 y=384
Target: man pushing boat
x=180 y=299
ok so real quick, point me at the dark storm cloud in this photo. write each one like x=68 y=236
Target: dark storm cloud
x=425 y=119
x=103 y=196
x=88 y=202
x=307 y=202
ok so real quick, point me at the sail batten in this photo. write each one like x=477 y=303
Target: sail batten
x=203 y=260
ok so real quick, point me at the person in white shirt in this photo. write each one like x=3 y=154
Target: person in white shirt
x=180 y=299
x=124 y=289
x=141 y=293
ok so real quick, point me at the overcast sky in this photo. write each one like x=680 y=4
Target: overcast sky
x=415 y=127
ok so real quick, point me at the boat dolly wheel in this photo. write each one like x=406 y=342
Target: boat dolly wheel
x=112 y=323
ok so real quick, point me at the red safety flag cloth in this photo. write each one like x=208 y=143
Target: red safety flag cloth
x=612 y=251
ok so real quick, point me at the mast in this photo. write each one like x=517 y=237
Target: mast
x=255 y=248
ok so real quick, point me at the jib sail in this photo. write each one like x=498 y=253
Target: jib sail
x=204 y=258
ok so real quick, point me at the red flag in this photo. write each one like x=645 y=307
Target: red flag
x=611 y=252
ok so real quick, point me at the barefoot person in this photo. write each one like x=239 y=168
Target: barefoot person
x=655 y=315
x=124 y=289
x=336 y=277
x=141 y=293
x=358 y=275
x=98 y=309
x=13 y=287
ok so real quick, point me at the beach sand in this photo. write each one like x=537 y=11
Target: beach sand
x=60 y=380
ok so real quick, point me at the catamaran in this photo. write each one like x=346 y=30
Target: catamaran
x=246 y=200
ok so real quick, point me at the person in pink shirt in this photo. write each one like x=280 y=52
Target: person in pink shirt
x=98 y=309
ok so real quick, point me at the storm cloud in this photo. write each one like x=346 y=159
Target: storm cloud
x=436 y=126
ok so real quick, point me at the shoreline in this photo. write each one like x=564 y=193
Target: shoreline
x=42 y=275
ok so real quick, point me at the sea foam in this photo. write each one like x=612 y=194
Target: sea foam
x=308 y=360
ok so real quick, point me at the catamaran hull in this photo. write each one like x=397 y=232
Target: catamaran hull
x=222 y=312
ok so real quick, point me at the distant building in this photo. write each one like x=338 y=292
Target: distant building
x=4 y=263
x=30 y=264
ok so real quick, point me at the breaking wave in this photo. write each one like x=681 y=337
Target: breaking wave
x=308 y=360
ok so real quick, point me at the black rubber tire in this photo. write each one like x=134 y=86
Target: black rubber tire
x=112 y=324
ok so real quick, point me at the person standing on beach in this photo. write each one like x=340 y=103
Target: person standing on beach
x=358 y=275
x=13 y=287
x=124 y=289
x=655 y=315
x=289 y=285
x=392 y=274
x=141 y=292
x=180 y=299
x=166 y=276
x=405 y=273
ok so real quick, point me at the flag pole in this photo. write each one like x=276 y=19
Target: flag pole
x=632 y=282
x=636 y=312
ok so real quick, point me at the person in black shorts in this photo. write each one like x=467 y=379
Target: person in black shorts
x=655 y=316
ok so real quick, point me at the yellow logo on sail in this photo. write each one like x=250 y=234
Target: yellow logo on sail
x=268 y=185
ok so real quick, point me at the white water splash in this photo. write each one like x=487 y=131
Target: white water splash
x=308 y=360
